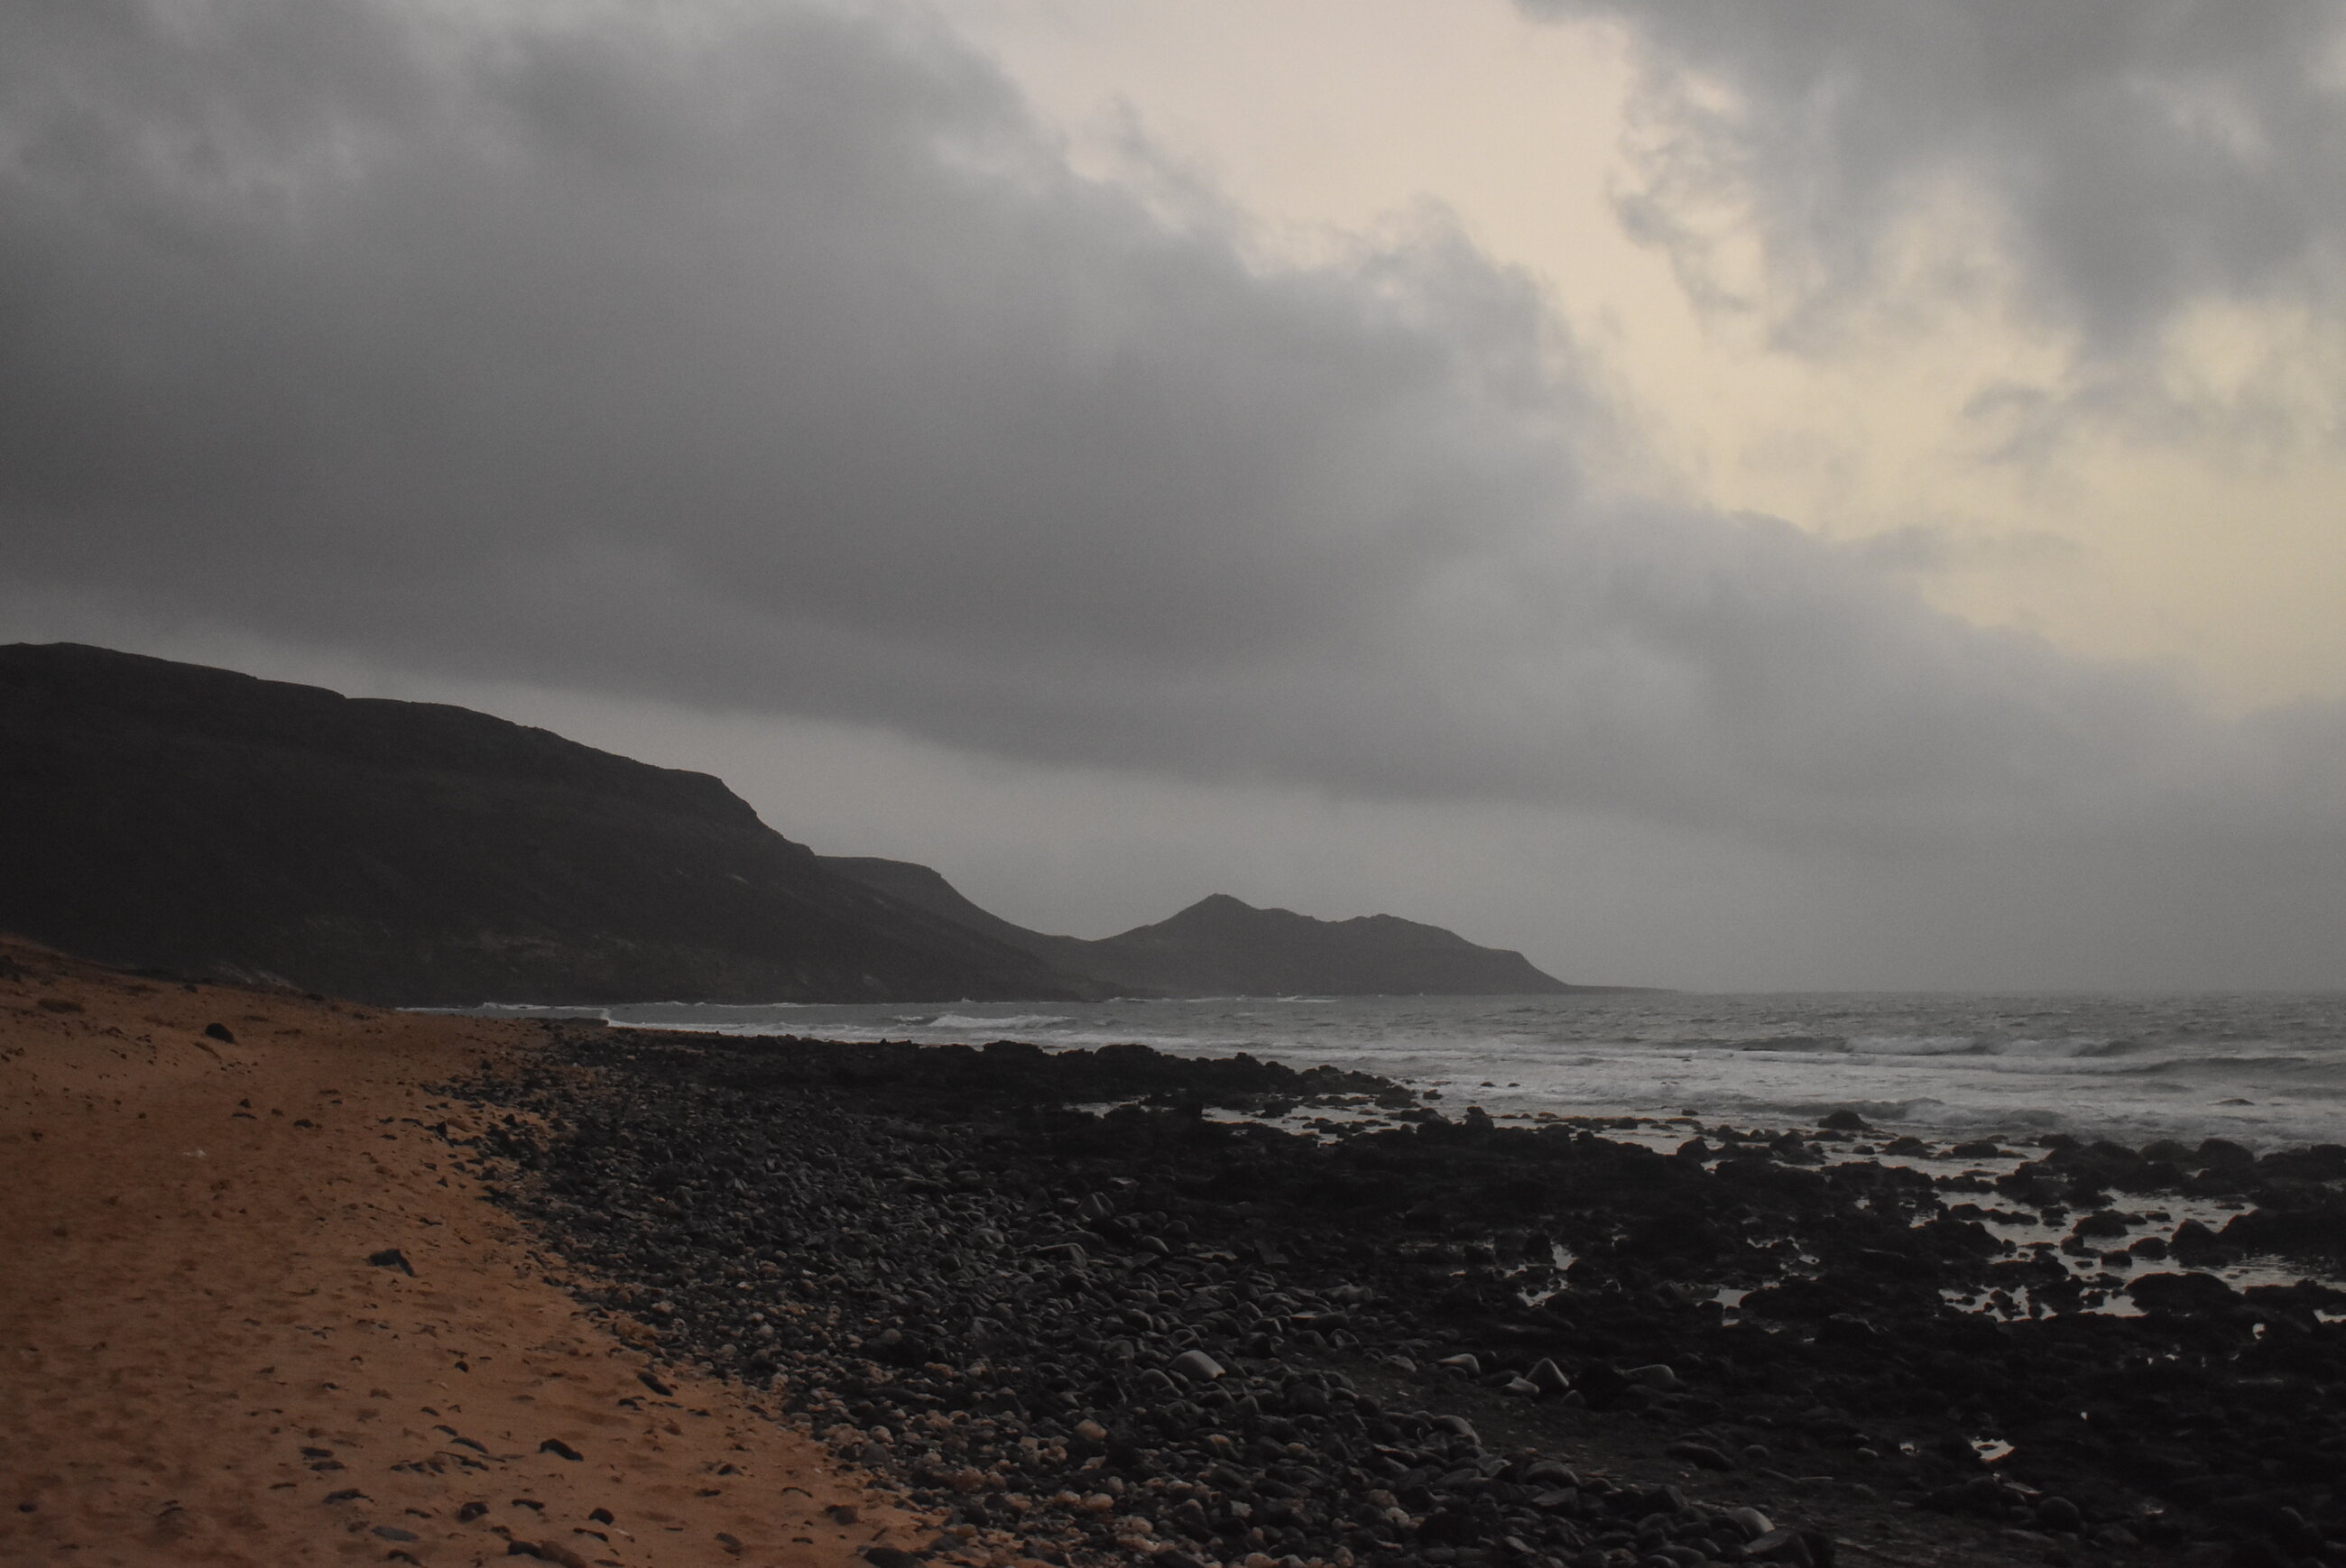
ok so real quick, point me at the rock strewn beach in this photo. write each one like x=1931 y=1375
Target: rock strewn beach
x=1085 y=1335
x=1068 y=1311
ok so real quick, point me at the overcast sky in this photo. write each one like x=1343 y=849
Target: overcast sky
x=1828 y=494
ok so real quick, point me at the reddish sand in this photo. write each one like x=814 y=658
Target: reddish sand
x=199 y=1364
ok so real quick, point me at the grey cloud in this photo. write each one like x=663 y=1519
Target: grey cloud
x=1927 y=547
x=772 y=360
x=2139 y=157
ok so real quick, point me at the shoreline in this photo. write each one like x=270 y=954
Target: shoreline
x=933 y=1257
x=257 y=1312
x=950 y=1291
x=2262 y=1073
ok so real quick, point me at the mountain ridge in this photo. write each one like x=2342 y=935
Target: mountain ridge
x=1221 y=945
x=173 y=816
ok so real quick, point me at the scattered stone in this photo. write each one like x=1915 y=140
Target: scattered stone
x=1700 y=1454
x=2223 y=1154
x=560 y=1449
x=1008 y=1351
x=1458 y=1426
x=2182 y=1295
x=1781 y=1545
x=2060 y=1515
x=392 y=1257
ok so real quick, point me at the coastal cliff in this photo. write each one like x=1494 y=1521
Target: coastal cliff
x=169 y=816
x=158 y=814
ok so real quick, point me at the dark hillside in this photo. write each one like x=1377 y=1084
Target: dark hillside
x=169 y=815
x=924 y=887
x=1221 y=947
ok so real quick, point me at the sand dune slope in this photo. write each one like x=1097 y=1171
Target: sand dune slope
x=199 y=1364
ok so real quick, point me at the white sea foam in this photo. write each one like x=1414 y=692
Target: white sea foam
x=958 y=1023
x=2264 y=1070
x=1912 y=1045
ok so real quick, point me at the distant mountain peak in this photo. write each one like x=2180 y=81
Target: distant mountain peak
x=1223 y=946
x=1221 y=909
x=166 y=814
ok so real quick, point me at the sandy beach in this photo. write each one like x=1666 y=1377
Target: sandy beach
x=256 y=1312
x=290 y=1280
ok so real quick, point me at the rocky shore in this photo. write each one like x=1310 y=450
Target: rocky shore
x=1087 y=1306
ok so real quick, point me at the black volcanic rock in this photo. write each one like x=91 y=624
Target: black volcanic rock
x=1222 y=947
x=167 y=815
x=992 y=1273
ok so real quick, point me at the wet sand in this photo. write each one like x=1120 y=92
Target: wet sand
x=199 y=1364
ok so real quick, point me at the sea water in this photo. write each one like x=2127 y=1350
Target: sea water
x=2265 y=1070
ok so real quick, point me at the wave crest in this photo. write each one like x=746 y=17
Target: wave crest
x=1008 y=1021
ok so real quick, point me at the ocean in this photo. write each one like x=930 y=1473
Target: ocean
x=2264 y=1070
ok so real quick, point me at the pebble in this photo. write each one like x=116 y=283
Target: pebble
x=1548 y=1378
x=1198 y=1365
x=1700 y=1454
x=801 y=1216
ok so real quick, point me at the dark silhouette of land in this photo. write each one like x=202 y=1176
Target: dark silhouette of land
x=157 y=814
x=169 y=816
x=1220 y=946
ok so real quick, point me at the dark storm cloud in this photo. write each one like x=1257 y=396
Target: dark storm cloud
x=771 y=359
x=2138 y=156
